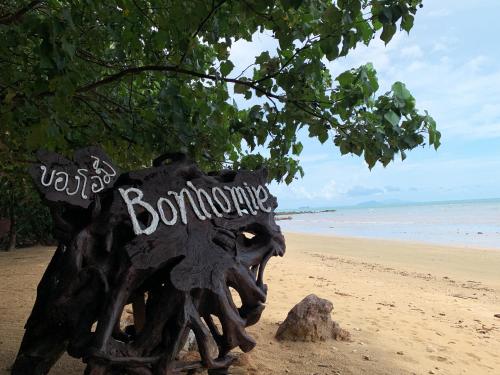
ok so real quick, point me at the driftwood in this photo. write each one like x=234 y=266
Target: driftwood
x=170 y=240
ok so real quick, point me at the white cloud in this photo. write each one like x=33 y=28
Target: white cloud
x=362 y=191
x=439 y=47
x=299 y=191
x=412 y=52
x=243 y=52
x=463 y=96
x=314 y=158
x=416 y=66
x=453 y=72
x=348 y=183
x=441 y=12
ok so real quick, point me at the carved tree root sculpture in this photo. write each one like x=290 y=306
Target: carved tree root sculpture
x=177 y=274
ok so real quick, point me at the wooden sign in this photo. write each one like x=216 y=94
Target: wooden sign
x=170 y=239
x=73 y=182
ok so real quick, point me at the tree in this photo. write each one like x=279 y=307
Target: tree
x=142 y=77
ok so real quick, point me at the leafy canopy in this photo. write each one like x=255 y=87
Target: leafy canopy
x=143 y=77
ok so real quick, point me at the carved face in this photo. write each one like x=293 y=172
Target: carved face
x=219 y=229
x=170 y=237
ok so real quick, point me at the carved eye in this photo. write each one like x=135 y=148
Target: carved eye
x=247 y=238
x=248 y=235
x=253 y=235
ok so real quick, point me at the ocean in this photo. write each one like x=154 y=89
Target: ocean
x=462 y=223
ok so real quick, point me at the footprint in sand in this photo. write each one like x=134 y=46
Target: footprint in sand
x=472 y=355
x=438 y=358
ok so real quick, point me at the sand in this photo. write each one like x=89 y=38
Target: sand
x=411 y=308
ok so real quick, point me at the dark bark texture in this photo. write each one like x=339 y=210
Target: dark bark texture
x=177 y=275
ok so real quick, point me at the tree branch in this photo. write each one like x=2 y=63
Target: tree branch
x=87 y=56
x=200 y=27
x=17 y=15
x=244 y=70
x=145 y=14
x=173 y=69
x=310 y=42
x=103 y=120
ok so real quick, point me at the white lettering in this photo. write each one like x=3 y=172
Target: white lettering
x=81 y=172
x=77 y=187
x=255 y=205
x=234 y=195
x=61 y=177
x=138 y=201
x=227 y=207
x=199 y=193
x=247 y=200
x=262 y=200
x=44 y=172
x=61 y=182
x=173 y=220
x=180 y=198
x=243 y=199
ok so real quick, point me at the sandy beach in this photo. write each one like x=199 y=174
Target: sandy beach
x=410 y=308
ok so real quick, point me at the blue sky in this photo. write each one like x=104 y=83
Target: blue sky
x=451 y=64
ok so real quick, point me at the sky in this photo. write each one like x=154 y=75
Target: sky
x=450 y=62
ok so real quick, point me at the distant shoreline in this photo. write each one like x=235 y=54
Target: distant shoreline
x=393 y=241
x=467 y=224
x=297 y=212
x=388 y=204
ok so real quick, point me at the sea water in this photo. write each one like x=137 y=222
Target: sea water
x=465 y=223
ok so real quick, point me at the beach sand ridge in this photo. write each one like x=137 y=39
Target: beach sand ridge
x=410 y=308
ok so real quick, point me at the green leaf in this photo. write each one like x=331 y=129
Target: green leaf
x=346 y=78
x=365 y=31
x=400 y=91
x=38 y=135
x=437 y=140
x=407 y=22
x=333 y=15
x=9 y=96
x=345 y=148
x=226 y=67
x=370 y=158
x=388 y=32
x=68 y=47
x=329 y=48
x=262 y=58
x=240 y=88
x=287 y=4
x=392 y=117
x=323 y=136
x=297 y=148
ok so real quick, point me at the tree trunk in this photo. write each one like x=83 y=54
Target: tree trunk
x=12 y=231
